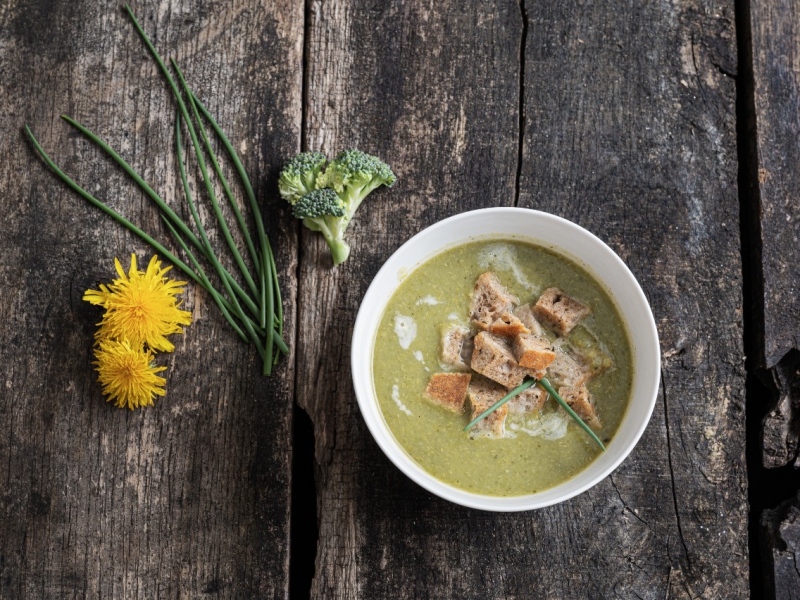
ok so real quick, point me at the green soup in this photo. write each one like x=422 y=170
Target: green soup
x=539 y=451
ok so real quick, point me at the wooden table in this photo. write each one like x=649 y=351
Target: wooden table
x=624 y=117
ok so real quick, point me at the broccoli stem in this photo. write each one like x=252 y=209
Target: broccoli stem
x=356 y=196
x=331 y=229
x=339 y=251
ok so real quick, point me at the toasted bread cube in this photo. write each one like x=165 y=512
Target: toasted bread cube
x=582 y=402
x=524 y=313
x=454 y=337
x=492 y=358
x=567 y=370
x=449 y=390
x=490 y=300
x=559 y=312
x=482 y=395
x=530 y=401
x=508 y=325
x=533 y=352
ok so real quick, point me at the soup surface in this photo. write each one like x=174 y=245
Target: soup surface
x=538 y=451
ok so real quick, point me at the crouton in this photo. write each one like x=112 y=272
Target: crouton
x=493 y=359
x=530 y=401
x=559 y=312
x=582 y=402
x=489 y=300
x=533 y=352
x=482 y=395
x=453 y=338
x=525 y=314
x=449 y=390
x=567 y=369
x=508 y=326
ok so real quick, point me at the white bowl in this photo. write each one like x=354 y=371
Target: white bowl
x=565 y=238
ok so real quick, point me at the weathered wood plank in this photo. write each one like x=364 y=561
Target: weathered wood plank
x=636 y=141
x=432 y=88
x=776 y=73
x=190 y=496
x=629 y=130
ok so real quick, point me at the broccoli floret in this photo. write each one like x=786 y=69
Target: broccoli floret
x=326 y=200
x=323 y=211
x=318 y=204
x=299 y=176
x=354 y=174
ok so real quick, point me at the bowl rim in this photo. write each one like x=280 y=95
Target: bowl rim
x=363 y=340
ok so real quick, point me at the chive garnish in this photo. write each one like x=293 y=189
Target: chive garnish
x=266 y=249
x=546 y=385
x=549 y=388
x=516 y=391
x=217 y=298
x=264 y=323
x=223 y=225
x=218 y=170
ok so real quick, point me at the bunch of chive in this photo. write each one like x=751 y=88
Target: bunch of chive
x=256 y=314
x=549 y=388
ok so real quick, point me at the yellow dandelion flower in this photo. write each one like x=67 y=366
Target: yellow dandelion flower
x=128 y=374
x=141 y=307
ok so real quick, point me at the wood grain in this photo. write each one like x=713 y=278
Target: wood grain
x=189 y=497
x=619 y=116
x=776 y=72
x=433 y=89
x=629 y=130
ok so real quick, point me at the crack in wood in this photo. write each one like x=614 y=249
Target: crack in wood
x=303 y=518
x=766 y=487
x=625 y=505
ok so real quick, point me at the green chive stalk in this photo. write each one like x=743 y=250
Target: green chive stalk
x=212 y=255
x=218 y=170
x=549 y=388
x=212 y=195
x=266 y=249
x=267 y=310
x=196 y=144
x=217 y=298
x=112 y=213
x=200 y=279
x=201 y=162
x=176 y=220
